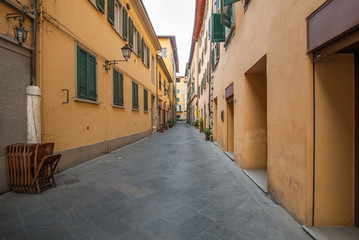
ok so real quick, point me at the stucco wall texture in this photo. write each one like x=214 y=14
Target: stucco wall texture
x=273 y=120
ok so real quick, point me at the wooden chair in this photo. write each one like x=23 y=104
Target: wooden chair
x=31 y=166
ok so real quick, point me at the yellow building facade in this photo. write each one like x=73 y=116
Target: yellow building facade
x=170 y=57
x=181 y=97
x=284 y=99
x=92 y=96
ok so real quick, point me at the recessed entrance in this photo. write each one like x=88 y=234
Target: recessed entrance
x=255 y=117
x=255 y=124
x=215 y=109
x=335 y=103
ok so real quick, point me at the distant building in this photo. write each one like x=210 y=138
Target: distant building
x=181 y=97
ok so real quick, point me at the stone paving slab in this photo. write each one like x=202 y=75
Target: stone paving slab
x=171 y=185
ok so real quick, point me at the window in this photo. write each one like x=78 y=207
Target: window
x=117 y=88
x=218 y=33
x=134 y=95
x=146 y=57
x=130 y=32
x=177 y=99
x=145 y=100
x=86 y=75
x=177 y=90
x=153 y=69
x=124 y=23
x=142 y=50
x=101 y=5
x=139 y=44
x=111 y=11
x=118 y=25
x=164 y=52
x=160 y=82
x=135 y=45
x=246 y=4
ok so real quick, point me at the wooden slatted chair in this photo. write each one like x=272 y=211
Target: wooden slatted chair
x=31 y=166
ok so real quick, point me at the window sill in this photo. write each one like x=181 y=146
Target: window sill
x=86 y=101
x=136 y=110
x=118 y=106
x=145 y=111
x=229 y=37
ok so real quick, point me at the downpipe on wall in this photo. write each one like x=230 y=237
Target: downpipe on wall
x=33 y=92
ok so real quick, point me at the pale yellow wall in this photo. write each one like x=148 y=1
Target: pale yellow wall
x=334 y=140
x=87 y=123
x=182 y=96
x=278 y=30
x=169 y=60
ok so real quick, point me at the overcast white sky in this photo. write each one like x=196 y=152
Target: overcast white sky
x=174 y=17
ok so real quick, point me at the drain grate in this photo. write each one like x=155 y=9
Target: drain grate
x=72 y=181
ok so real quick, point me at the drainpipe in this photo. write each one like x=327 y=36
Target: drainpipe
x=33 y=93
x=34 y=37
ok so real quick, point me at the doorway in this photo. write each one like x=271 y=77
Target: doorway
x=255 y=117
x=230 y=125
x=153 y=113
x=336 y=140
x=214 y=125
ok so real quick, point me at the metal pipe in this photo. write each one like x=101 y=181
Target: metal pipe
x=34 y=39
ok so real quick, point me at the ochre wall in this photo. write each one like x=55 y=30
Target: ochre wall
x=77 y=123
x=277 y=30
x=334 y=140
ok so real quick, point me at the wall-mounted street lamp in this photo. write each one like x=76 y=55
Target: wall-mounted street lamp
x=126 y=52
x=19 y=31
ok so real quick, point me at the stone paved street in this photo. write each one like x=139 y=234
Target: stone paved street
x=171 y=186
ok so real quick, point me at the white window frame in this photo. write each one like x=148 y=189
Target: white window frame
x=118 y=18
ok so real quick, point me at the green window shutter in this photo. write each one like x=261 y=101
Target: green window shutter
x=138 y=44
x=142 y=50
x=101 y=5
x=116 y=88
x=133 y=96
x=111 y=11
x=121 y=90
x=148 y=57
x=218 y=32
x=227 y=2
x=145 y=100
x=226 y=16
x=130 y=35
x=160 y=82
x=81 y=73
x=125 y=25
x=136 y=96
x=91 y=78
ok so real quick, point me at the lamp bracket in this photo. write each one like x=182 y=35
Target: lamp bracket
x=112 y=62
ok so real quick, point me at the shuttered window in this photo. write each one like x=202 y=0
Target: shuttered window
x=86 y=75
x=134 y=95
x=117 y=88
x=125 y=23
x=145 y=100
x=101 y=5
x=130 y=33
x=142 y=50
x=160 y=82
x=111 y=11
x=218 y=32
x=138 y=44
x=148 y=57
x=246 y=4
x=227 y=2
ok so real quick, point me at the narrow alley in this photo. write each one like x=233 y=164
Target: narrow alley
x=171 y=185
